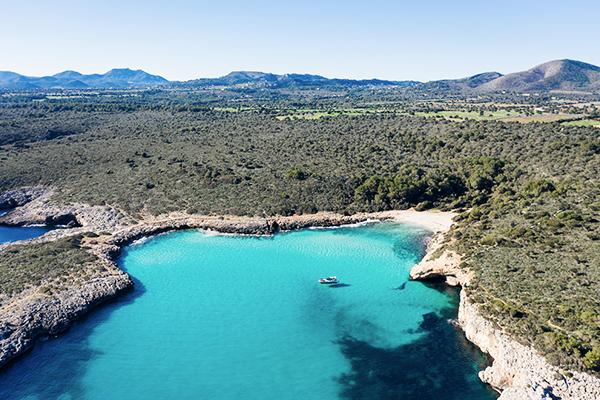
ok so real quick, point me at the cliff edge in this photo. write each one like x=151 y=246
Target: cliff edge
x=440 y=265
x=518 y=371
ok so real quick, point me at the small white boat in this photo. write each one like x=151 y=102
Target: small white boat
x=329 y=281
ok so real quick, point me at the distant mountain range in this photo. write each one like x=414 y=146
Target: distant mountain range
x=126 y=78
x=560 y=75
x=250 y=78
x=115 y=78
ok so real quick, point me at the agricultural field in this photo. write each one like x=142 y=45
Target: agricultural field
x=584 y=122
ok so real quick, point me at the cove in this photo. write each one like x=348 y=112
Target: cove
x=14 y=233
x=229 y=317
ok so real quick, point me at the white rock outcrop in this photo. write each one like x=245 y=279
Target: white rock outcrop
x=445 y=267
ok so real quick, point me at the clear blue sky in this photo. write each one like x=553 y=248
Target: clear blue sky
x=400 y=40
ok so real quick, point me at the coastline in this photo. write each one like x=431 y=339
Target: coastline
x=518 y=371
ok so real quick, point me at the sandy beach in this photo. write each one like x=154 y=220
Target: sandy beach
x=437 y=221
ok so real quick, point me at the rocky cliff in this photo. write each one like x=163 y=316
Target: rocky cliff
x=517 y=370
x=440 y=265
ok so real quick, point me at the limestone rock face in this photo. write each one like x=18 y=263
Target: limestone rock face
x=444 y=268
x=16 y=198
x=519 y=370
x=23 y=322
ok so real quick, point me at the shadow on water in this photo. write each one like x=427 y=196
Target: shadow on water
x=452 y=292
x=9 y=234
x=339 y=285
x=64 y=357
x=439 y=365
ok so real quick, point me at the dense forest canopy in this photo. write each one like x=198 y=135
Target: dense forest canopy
x=527 y=192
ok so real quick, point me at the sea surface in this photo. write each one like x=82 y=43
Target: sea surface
x=12 y=234
x=241 y=317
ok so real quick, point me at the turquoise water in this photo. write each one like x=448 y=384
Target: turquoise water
x=232 y=317
x=12 y=234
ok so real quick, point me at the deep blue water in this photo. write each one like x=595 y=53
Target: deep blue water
x=232 y=317
x=12 y=234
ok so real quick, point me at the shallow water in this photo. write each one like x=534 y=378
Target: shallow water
x=229 y=317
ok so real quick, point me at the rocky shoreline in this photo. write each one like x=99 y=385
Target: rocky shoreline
x=519 y=372
x=22 y=322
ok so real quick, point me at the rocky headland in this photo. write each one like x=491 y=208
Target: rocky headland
x=438 y=265
x=36 y=315
x=34 y=207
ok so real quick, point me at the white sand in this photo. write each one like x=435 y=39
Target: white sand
x=437 y=221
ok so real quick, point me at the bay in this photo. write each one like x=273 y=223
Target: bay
x=228 y=317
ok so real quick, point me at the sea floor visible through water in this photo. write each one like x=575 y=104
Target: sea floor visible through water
x=243 y=317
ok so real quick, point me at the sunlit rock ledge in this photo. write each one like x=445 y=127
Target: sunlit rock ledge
x=441 y=267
